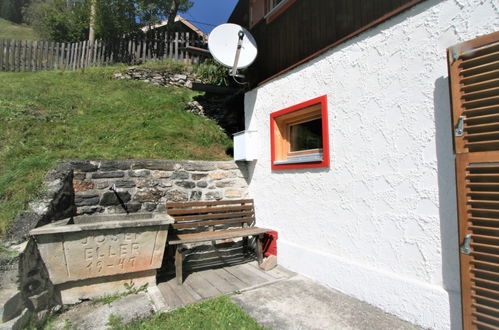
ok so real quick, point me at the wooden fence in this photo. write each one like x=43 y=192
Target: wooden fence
x=24 y=55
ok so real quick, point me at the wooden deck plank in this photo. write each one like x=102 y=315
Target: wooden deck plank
x=249 y=278
x=219 y=282
x=213 y=282
x=223 y=273
x=187 y=287
x=185 y=295
x=257 y=272
x=171 y=298
x=277 y=272
x=201 y=285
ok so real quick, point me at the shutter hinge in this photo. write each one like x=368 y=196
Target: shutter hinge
x=466 y=247
x=459 y=127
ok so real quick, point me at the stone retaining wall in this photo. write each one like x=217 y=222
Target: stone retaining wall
x=146 y=185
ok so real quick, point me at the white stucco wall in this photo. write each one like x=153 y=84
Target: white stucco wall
x=380 y=223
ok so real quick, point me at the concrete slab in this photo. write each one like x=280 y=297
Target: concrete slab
x=88 y=316
x=301 y=303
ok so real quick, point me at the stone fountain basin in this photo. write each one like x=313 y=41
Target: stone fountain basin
x=84 y=251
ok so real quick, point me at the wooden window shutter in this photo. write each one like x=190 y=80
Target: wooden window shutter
x=474 y=78
x=474 y=85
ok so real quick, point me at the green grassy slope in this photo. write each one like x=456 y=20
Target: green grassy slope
x=9 y=30
x=218 y=313
x=47 y=116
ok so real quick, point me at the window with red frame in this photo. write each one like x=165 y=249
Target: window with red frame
x=300 y=135
x=268 y=9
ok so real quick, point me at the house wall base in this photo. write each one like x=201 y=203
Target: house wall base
x=411 y=300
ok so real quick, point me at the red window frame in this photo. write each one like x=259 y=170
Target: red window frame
x=322 y=102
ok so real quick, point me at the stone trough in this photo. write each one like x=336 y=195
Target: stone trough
x=90 y=256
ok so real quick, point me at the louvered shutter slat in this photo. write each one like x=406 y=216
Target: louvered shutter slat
x=474 y=85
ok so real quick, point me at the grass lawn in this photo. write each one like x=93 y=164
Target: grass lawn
x=53 y=115
x=9 y=30
x=218 y=313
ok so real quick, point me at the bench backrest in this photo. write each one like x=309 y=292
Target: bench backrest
x=195 y=215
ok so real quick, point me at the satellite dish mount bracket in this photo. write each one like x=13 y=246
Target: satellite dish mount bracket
x=233 y=72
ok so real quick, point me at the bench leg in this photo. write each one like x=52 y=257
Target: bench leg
x=259 y=250
x=178 y=264
x=245 y=246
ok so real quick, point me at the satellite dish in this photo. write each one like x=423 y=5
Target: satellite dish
x=233 y=46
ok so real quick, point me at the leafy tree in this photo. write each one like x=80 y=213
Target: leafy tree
x=68 y=20
x=59 y=20
x=12 y=10
x=151 y=12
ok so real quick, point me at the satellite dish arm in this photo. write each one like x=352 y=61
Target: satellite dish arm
x=238 y=52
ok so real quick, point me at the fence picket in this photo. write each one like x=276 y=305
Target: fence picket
x=1 y=54
x=28 y=55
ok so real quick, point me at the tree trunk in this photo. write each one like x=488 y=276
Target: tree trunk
x=173 y=14
x=91 y=29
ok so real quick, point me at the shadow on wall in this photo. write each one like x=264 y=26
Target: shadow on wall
x=447 y=198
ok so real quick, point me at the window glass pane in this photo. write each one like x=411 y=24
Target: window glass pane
x=274 y=3
x=306 y=135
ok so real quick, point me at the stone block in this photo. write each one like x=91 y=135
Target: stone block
x=227 y=166
x=161 y=174
x=218 y=175
x=139 y=173
x=149 y=207
x=161 y=208
x=41 y=301
x=180 y=175
x=196 y=195
x=24 y=222
x=90 y=209
x=18 y=323
x=13 y=307
x=124 y=183
x=83 y=165
x=186 y=184
x=95 y=288
x=109 y=198
x=198 y=176
x=102 y=184
x=231 y=183
x=86 y=199
x=162 y=165
x=176 y=196
x=113 y=165
x=233 y=193
x=102 y=245
x=202 y=184
x=131 y=208
x=82 y=185
x=165 y=183
x=199 y=166
x=213 y=195
x=146 y=183
x=108 y=175
x=149 y=195
x=79 y=176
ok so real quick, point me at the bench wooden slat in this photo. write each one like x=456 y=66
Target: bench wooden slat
x=179 y=218
x=205 y=216
x=195 y=224
x=191 y=204
x=205 y=210
x=217 y=235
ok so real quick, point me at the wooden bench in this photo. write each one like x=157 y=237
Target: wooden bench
x=212 y=221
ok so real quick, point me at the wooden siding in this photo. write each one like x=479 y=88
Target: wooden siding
x=305 y=28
